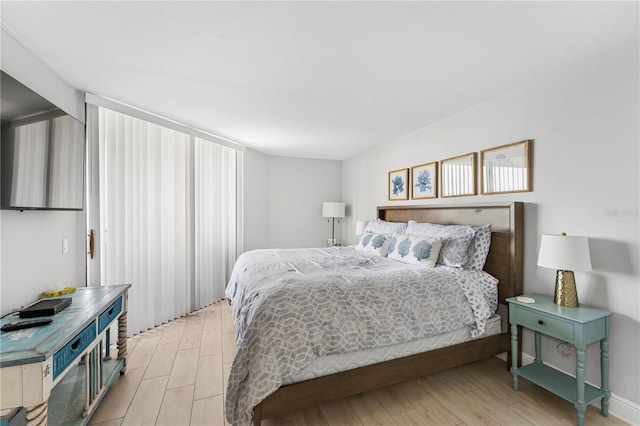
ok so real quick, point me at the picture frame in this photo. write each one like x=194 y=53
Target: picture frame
x=398 y=185
x=458 y=176
x=506 y=168
x=424 y=181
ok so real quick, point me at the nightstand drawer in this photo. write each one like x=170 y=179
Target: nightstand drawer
x=545 y=324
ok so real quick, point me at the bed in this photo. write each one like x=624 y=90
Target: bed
x=308 y=387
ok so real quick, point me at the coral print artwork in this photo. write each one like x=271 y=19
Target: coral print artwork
x=398 y=184
x=424 y=181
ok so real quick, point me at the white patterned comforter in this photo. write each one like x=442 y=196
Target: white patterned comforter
x=293 y=305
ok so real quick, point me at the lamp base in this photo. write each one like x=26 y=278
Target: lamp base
x=565 y=293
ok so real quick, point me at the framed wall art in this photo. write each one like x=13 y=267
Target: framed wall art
x=398 y=181
x=424 y=181
x=506 y=168
x=458 y=176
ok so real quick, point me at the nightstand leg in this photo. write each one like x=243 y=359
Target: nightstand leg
x=514 y=355
x=581 y=407
x=604 y=370
x=538 y=340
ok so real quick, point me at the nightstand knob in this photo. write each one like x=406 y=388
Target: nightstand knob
x=540 y=322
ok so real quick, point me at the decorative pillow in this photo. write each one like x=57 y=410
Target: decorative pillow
x=380 y=226
x=415 y=249
x=374 y=243
x=455 y=240
x=479 y=248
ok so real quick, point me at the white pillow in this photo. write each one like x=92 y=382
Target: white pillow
x=380 y=226
x=455 y=240
x=415 y=249
x=374 y=243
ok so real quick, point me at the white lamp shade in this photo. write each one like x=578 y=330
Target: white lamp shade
x=563 y=252
x=332 y=209
x=361 y=225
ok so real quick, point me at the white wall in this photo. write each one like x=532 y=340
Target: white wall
x=585 y=125
x=257 y=216
x=31 y=258
x=28 y=69
x=283 y=200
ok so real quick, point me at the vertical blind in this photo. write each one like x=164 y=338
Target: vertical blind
x=167 y=217
x=215 y=219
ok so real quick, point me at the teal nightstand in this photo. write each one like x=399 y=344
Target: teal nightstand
x=579 y=326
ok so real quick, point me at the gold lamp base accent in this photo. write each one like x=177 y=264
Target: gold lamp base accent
x=565 y=293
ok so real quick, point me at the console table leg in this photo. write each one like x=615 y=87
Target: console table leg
x=122 y=340
x=37 y=415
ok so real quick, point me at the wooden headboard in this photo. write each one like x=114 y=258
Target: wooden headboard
x=505 y=259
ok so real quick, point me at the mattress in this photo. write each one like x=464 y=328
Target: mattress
x=335 y=363
x=292 y=306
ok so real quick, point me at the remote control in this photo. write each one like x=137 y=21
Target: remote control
x=25 y=324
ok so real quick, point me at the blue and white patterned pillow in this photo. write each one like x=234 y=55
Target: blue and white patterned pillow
x=455 y=240
x=479 y=248
x=380 y=226
x=374 y=243
x=415 y=249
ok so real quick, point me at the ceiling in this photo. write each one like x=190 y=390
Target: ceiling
x=313 y=79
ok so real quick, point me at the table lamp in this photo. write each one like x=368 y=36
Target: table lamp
x=361 y=225
x=565 y=254
x=333 y=210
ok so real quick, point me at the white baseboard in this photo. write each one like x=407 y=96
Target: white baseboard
x=624 y=409
x=619 y=407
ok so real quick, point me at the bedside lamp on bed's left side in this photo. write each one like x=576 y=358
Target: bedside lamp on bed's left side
x=332 y=210
x=361 y=225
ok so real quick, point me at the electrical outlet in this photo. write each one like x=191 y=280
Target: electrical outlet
x=565 y=349
x=65 y=245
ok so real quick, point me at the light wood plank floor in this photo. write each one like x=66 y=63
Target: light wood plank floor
x=177 y=375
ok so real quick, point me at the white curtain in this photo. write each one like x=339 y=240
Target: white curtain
x=168 y=217
x=215 y=219
x=143 y=188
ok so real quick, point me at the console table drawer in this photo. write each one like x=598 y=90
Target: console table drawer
x=109 y=314
x=545 y=324
x=65 y=356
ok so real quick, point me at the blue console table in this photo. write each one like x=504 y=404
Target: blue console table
x=579 y=326
x=61 y=371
